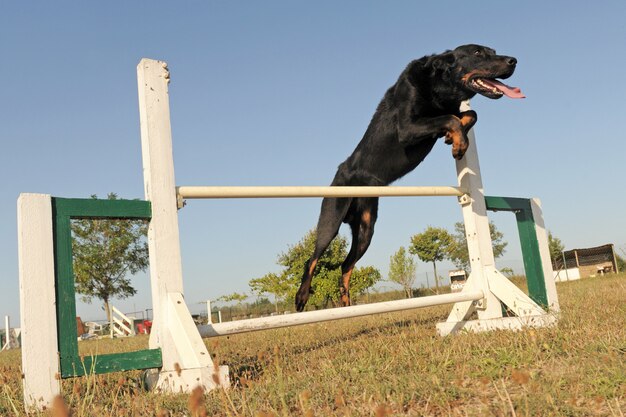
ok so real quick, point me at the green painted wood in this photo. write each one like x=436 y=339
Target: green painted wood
x=80 y=208
x=532 y=257
x=115 y=362
x=63 y=210
x=64 y=284
x=529 y=243
x=506 y=203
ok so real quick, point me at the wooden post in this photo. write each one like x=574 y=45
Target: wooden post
x=40 y=362
x=484 y=276
x=544 y=251
x=186 y=361
x=481 y=258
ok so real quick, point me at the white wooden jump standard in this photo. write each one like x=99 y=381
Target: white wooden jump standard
x=484 y=274
x=186 y=361
x=173 y=329
x=40 y=361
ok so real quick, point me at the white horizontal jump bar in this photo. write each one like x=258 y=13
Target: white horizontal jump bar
x=314 y=191
x=263 y=323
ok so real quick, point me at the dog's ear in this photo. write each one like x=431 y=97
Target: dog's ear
x=443 y=62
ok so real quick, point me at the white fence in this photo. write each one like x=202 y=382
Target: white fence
x=121 y=325
x=570 y=274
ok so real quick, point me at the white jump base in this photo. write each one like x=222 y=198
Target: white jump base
x=309 y=317
x=503 y=323
x=186 y=362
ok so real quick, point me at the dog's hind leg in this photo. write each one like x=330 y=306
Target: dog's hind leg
x=362 y=233
x=332 y=214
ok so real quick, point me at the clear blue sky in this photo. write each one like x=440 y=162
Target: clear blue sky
x=280 y=92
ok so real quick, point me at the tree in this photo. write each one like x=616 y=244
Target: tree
x=105 y=251
x=236 y=297
x=432 y=245
x=458 y=253
x=271 y=283
x=402 y=270
x=327 y=272
x=362 y=279
x=507 y=271
x=556 y=247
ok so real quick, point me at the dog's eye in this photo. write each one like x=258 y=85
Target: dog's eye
x=478 y=52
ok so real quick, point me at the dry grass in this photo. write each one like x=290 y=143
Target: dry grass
x=388 y=365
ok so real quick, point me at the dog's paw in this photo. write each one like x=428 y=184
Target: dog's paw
x=302 y=296
x=344 y=296
x=459 y=148
x=457 y=154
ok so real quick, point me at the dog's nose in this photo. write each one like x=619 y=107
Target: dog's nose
x=511 y=61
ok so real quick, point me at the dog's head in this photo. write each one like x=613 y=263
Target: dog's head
x=479 y=67
x=475 y=69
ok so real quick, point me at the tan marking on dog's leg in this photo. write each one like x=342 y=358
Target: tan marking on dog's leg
x=466 y=120
x=344 y=287
x=312 y=265
x=366 y=217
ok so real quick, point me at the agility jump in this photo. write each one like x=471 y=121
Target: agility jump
x=176 y=348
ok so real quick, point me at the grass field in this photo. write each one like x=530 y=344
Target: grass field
x=388 y=365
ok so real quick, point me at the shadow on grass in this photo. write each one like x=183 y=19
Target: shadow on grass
x=251 y=368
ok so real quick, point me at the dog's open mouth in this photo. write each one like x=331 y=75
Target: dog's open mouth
x=495 y=89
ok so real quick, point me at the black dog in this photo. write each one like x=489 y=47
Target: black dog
x=422 y=106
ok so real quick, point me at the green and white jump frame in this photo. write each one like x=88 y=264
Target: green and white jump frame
x=176 y=348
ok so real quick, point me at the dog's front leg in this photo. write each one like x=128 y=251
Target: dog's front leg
x=450 y=126
x=459 y=140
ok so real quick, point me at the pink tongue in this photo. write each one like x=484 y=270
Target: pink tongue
x=512 y=92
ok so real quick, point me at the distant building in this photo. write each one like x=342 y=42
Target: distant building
x=457 y=280
x=589 y=261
